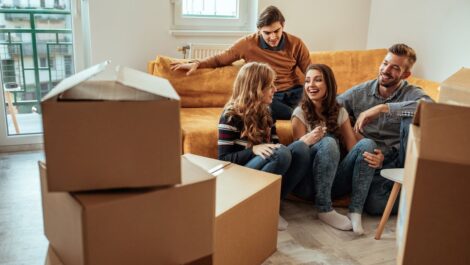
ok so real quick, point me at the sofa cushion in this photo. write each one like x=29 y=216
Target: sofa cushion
x=351 y=67
x=207 y=88
x=199 y=129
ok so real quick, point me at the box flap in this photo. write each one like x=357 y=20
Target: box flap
x=210 y=165
x=459 y=81
x=106 y=90
x=455 y=90
x=236 y=184
x=145 y=82
x=444 y=132
x=76 y=79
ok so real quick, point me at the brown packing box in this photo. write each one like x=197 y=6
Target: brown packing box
x=111 y=134
x=172 y=225
x=456 y=89
x=247 y=211
x=51 y=257
x=433 y=221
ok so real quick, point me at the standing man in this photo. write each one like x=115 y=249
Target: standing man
x=381 y=110
x=270 y=44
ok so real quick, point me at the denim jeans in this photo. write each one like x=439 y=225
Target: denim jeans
x=381 y=187
x=285 y=161
x=284 y=102
x=320 y=173
x=354 y=175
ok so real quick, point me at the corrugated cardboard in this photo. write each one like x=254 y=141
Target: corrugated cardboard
x=433 y=221
x=456 y=89
x=51 y=257
x=123 y=133
x=171 y=225
x=247 y=212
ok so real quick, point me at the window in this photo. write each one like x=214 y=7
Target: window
x=213 y=15
x=210 y=8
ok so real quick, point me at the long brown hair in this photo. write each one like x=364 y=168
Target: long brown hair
x=330 y=108
x=247 y=101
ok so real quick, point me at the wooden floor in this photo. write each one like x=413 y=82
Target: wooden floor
x=306 y=241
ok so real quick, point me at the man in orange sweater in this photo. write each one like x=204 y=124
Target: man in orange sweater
x=270 y=44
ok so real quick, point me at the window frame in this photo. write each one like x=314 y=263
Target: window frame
x=242 y=23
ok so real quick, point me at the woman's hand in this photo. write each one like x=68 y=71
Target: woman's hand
x=314 y=136
x=190 y=67
x=264 y=150
x=375 y=160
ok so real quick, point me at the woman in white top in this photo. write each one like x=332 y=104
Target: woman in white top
x=323 y=125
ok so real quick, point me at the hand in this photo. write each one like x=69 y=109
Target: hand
x=369 y=115
x=375 y=160
x=191 y=67
x=264 y=150
x=314 y=136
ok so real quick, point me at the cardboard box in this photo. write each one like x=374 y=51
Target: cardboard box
x=433 y=221
x=171 y=225
x=111 y=134
x=455 y=90
x=247 y=212
x=51 y=257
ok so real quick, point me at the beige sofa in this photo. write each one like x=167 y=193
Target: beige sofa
x=204 y=93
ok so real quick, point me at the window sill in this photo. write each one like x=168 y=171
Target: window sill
x=208 y=33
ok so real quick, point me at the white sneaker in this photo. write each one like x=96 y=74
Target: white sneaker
x=282 y=224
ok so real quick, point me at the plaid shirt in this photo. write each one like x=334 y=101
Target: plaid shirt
x=385 y=130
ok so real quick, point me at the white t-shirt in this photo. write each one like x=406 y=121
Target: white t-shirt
x=299 y=113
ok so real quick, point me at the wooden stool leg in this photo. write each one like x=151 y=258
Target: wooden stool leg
x=388 y=209
x=12 y=111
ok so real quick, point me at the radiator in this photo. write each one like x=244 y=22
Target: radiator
x=202 y=50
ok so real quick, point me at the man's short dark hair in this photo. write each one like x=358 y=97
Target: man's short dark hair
x=270 y=15
x=402 y=49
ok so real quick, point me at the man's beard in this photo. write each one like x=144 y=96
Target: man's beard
x=389 y=83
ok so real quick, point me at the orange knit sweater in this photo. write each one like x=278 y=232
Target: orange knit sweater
x=284 y=62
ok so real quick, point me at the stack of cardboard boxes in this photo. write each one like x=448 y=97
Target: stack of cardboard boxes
x=116 y=190
x=433 y=221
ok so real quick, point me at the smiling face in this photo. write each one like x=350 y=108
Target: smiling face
x=315 y=86
x=393 y=69
x=272 y=33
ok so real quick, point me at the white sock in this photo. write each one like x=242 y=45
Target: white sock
x=336 y=220
x=356 y=223
x=282 y=224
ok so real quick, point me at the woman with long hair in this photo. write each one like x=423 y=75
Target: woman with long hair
x=321 y=123
x=247 y=131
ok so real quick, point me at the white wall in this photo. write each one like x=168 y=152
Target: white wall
x=438 y=30
x=133 y=32
x=326 y=25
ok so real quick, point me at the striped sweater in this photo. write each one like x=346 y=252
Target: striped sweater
x=231 y=146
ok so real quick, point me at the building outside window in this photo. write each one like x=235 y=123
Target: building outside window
x=36 y=45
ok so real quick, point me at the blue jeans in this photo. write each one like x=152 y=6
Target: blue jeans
x=381 y=187
x=284 y=102
x=317 y=182
x=354 y=175
x=285 y=161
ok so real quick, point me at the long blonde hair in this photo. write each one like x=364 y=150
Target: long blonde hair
x=247 y=103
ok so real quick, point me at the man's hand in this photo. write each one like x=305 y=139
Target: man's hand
x=369 y=115
x=190 y=67
x=264 y=150
x=314 y=136
x=375 y=160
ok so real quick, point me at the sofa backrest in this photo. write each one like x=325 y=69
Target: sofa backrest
x=207 y=88
x=213 y=87
x=351 y=67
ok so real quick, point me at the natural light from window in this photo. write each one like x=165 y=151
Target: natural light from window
x=210 y=8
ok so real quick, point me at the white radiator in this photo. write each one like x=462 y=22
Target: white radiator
x=203 y=50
